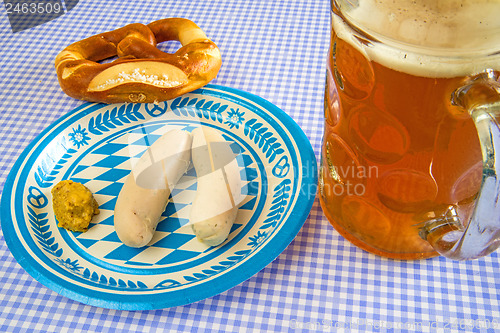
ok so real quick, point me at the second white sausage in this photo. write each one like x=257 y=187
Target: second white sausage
x=218 y=194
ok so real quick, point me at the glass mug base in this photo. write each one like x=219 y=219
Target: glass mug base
x=395 y=254
x=356 y=213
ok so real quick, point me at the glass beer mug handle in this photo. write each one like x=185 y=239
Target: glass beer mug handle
x=479 y=236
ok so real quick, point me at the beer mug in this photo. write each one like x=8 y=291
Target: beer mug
x=412 y=105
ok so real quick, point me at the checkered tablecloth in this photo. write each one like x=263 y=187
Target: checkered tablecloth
x=276 y=50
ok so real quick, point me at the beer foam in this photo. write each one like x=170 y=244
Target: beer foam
x=430 y=38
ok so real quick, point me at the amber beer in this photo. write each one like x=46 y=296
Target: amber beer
x=397 y=151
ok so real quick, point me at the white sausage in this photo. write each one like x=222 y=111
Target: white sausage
x=218 y=194
x=145 y=193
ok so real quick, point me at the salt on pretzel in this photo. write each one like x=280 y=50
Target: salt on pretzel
x=142 y=73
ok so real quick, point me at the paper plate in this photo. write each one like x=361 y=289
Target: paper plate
x=97 y=144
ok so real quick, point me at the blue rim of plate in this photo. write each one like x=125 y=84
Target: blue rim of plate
x=279 y=160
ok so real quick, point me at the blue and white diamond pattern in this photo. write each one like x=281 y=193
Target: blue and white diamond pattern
x=104 y=169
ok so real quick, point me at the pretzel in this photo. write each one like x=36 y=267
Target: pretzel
x=142 y=73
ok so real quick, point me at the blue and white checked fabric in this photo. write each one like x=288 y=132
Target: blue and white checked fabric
x=277 y=50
